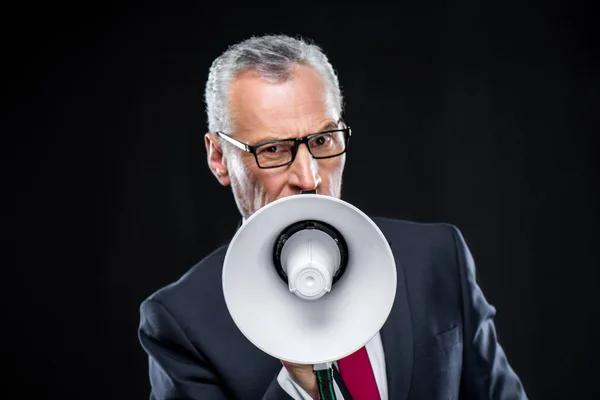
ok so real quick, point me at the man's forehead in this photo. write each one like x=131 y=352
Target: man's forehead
x=296 y=131
x=283 y=129
x=297 y=106
x=303 y=85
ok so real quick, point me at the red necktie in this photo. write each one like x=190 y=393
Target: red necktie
x=358 y=377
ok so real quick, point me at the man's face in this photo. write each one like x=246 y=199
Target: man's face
x=263 y=111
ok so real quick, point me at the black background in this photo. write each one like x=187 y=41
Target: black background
x=481 y=114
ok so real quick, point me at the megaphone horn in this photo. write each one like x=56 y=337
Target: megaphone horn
x=309 y=279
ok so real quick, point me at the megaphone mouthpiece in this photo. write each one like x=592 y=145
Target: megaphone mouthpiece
x=310 y=258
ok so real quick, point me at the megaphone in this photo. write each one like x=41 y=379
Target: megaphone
x=309 y=279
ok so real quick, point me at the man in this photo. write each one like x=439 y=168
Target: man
x=439 y=341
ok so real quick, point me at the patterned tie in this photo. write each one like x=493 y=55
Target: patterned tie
x=358 y=377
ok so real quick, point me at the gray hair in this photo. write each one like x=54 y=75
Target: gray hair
x=274 y=57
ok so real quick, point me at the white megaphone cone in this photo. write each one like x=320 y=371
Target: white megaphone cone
x=309 y=279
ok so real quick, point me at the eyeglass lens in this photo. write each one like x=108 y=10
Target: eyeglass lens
x=278 y=153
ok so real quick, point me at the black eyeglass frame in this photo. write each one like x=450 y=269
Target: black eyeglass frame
x=297 y=142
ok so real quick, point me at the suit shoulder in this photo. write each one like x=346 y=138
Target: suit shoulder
x=203 y=278
x=421 y=239
x=417 y=230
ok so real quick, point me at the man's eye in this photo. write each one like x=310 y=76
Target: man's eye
x=274 y=149
x=321 y=140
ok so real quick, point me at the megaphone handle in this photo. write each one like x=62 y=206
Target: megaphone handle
x=324 y=375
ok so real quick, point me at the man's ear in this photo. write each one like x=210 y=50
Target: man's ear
x=215 y=159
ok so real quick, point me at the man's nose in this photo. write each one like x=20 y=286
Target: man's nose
x=305 y=170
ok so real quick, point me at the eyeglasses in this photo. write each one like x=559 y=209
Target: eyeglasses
x=279 y=153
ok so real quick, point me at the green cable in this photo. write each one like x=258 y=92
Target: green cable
x=323 y=380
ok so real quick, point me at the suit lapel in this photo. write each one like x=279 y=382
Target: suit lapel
x=397 y=340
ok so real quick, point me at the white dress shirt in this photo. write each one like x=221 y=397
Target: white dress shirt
x=376 y=357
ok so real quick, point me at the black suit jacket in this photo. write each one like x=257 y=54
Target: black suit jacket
x=439 y=340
